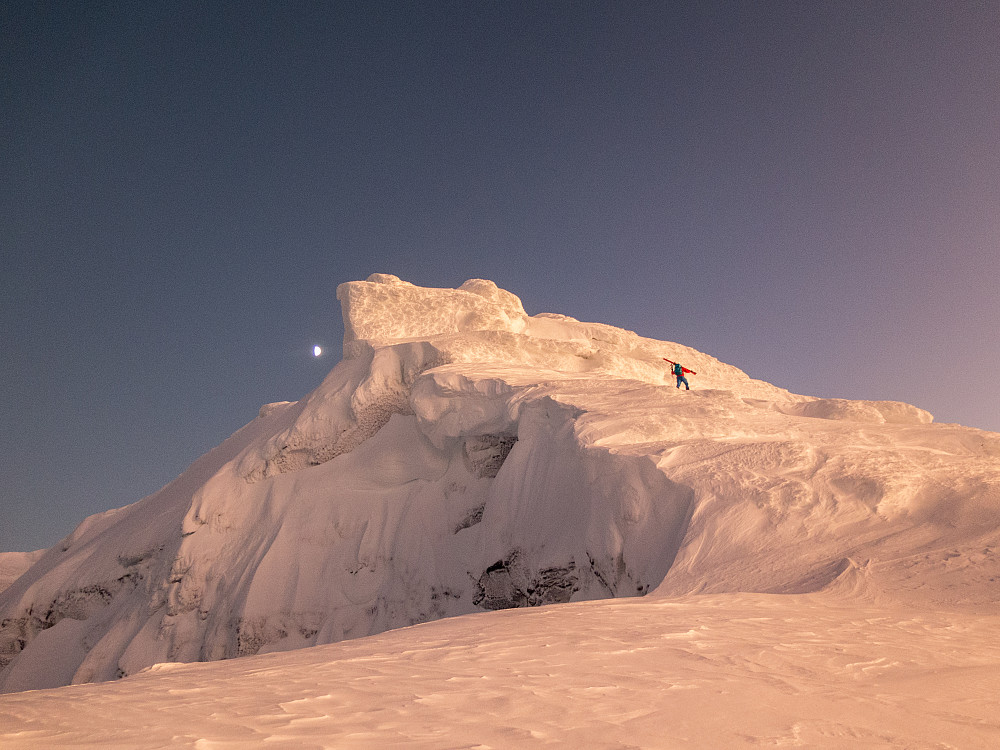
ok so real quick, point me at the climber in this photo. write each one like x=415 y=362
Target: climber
x=680 y=371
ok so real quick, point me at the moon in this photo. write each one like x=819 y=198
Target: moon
x=317 y=350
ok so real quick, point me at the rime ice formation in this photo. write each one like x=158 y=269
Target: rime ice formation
x=466 y=456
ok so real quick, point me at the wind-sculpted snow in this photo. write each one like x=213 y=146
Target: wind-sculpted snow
x=466 y=456
x=386 y=309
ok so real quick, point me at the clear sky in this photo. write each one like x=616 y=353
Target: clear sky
x=807 y=190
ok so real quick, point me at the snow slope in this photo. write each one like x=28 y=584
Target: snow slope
x=702 y=673
x=14 y=564
x=465 y=456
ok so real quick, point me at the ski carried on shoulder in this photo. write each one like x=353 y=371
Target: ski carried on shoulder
x=686 y=370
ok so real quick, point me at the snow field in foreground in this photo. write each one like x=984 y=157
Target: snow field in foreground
x=713 y=671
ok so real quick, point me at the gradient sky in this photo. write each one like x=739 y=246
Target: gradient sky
x=807 y=190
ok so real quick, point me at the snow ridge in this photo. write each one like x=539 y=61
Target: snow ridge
x=466 y=456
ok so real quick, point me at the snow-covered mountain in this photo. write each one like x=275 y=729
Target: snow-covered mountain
x=465 y=456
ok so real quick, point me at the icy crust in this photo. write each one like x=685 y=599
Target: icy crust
x=542 y=460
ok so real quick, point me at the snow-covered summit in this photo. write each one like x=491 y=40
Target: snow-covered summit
x=465 y=456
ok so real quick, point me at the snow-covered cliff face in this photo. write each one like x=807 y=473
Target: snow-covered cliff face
x=467 y=456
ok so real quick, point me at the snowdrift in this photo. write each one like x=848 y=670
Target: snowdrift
x=465 y=456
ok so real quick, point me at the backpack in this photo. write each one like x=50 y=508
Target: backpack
x=678 y=370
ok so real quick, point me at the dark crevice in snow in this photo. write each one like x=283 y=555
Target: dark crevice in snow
x=485 y=454
x=616 y=578
x=473 y=517
x=507 y=584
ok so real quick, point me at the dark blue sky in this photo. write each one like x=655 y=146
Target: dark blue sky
x=808 y=191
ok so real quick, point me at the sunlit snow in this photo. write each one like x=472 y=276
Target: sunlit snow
x=809 y=572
